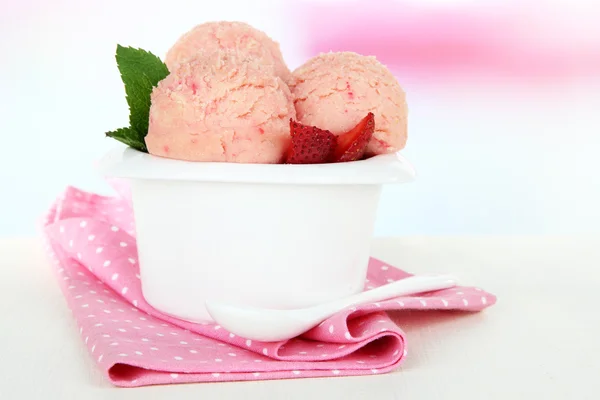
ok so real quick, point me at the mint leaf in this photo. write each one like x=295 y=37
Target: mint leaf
x=140 y=71
x=129 y=137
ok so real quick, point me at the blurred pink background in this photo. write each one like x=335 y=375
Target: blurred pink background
x=532 y=41
x=503 y=97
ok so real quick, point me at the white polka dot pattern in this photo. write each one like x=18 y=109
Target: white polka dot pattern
x=92 y=246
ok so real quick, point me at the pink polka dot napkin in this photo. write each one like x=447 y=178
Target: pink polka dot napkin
x=91 y=242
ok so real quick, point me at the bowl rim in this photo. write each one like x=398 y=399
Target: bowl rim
x=133 y=164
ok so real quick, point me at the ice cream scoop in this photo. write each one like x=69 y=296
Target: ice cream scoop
x=334 y=91
x=225 y=35
x=222 y=106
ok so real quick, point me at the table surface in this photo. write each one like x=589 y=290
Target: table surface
x=539 y=341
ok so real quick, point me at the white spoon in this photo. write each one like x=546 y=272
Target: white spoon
x=270 y=325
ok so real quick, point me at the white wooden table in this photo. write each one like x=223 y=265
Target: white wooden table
x=540 y=341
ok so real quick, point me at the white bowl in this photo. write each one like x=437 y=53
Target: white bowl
x=277 y=236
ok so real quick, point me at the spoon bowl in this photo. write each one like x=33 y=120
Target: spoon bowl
x=272 y=325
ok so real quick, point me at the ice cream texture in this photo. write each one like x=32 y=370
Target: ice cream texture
x=225 y=35
x=334 y=91
x=224 y=107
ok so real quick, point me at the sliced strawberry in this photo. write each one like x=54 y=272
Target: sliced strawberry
x=310 y=145
x=351 y=145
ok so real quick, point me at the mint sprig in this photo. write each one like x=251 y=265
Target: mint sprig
x=140 y=72
x=129 y=137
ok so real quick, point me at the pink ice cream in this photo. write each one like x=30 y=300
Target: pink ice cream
x=221 y=107
x=238 y=36
x=334 y=91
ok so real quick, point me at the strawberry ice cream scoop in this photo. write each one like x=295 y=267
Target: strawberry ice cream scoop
x=334 y=91
x=221 y=108
x=225 y=35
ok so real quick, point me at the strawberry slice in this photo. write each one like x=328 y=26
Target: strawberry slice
x=351 y=145
x=310 y=145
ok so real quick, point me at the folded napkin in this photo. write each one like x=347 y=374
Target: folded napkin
x=91 y=242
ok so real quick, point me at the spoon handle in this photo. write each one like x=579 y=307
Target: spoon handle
x=407 y=286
